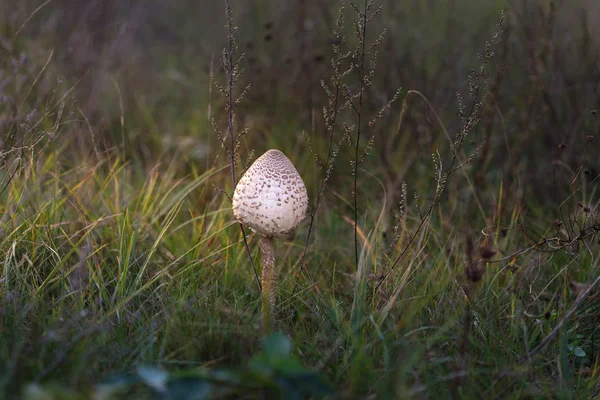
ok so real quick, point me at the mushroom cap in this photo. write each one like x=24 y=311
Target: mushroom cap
x=271 y=197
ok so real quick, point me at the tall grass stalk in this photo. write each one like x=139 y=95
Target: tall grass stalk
x=232 y=74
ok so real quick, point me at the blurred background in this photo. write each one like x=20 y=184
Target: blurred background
x=108 y=107
x=139 y=72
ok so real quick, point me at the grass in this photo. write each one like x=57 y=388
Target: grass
x=121 y=258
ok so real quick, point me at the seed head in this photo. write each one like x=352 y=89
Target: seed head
x=486 y=252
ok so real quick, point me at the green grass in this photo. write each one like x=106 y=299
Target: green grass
x=120 y=259
x=105 y=268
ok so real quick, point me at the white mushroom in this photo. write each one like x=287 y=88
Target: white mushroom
x=271 y=199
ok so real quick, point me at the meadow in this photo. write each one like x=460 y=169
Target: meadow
x=450 y=151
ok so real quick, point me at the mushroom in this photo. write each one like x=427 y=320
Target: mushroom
x=271 y=199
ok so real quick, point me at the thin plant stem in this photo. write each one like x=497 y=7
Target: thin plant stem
x=230 y=45
x=469 y=122
x=326 y=170
x=331 y=121
x=427 y=214
x=363 y=38
x=556 y=329
x=230 y=131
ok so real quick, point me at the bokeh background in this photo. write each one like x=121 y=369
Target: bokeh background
x=118 y=249
x=154 y=58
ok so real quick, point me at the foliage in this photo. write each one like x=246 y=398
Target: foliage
x=471 y=275
x=274 y=370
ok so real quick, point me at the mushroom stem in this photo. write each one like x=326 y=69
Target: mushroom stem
x=268 y=281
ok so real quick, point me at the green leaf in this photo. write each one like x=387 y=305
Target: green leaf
x=577 y=351
x=153 y=377
x=121 y=379
x=51 y=391
x=36 y=392
x=313 y=384
x=277 y=345
x=189 y=389
x=291 y=366
x=224 y=376
x=115 y=384
x=316 y=385
x=288 y=388
x=261 y=365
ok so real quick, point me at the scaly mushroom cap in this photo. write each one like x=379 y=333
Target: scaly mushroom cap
x=271 y=197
